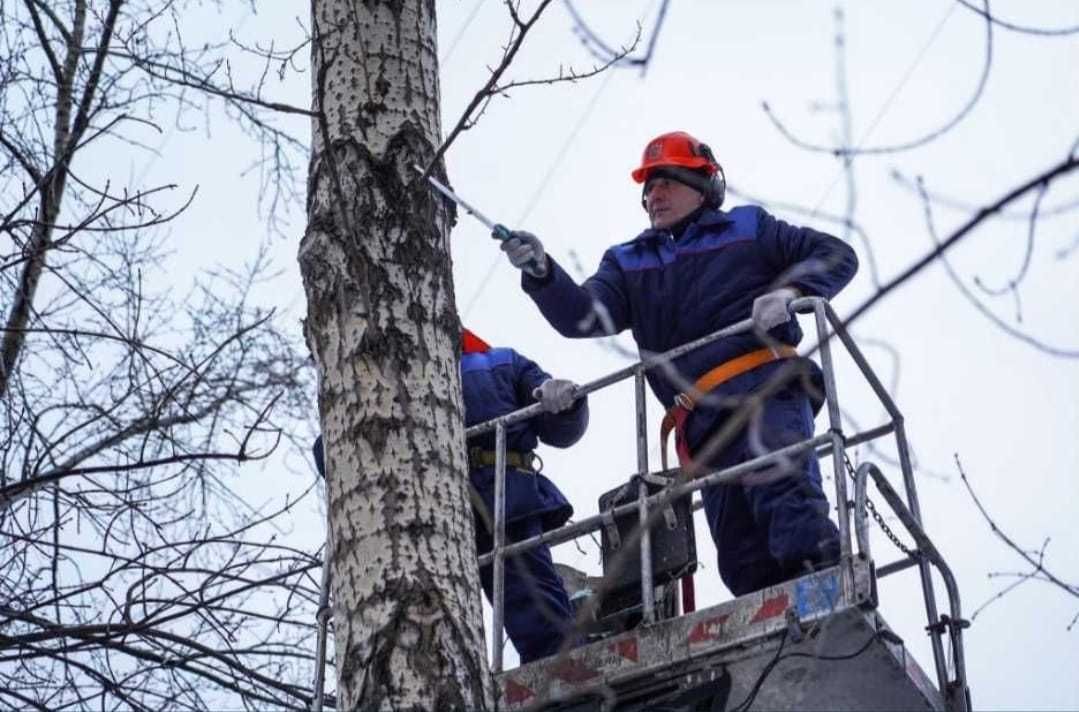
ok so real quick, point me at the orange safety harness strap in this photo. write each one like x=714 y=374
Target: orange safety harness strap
x=675 y=418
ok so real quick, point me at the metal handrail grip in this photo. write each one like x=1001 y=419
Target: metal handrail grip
x=957 y=693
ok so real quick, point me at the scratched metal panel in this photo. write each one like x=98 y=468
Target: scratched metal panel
x=844 y=665
x=648 y=650
x=913 y=670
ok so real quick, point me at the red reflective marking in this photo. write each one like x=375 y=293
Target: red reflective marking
x=517 y=693
x=771 y=608
x=626 y=648
x=708 y=629
x=571 y=670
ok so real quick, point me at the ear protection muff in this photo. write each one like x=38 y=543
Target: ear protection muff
x=717 y=182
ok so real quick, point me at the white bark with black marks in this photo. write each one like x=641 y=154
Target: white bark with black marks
x=383 y=328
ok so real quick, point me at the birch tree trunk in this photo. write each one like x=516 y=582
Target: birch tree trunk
x=382 y=325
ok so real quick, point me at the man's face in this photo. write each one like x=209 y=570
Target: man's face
x=668 y=201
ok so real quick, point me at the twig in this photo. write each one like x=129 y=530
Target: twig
x=911 y=143
x=1049 y=32
x=1037 y=565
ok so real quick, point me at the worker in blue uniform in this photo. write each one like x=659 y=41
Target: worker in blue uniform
x=695 y=270
x=496 y=382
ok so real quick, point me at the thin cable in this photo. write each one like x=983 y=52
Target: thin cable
x=887 y=105
x=533 y=201
x=752 y=694
x=538 y=192
x=461 y=32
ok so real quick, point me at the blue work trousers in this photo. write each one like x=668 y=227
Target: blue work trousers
x=538 y=614
x=773 y=530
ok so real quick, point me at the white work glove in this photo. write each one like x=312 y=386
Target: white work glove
x=556 y=394
x=526 y=253
x=772 y=309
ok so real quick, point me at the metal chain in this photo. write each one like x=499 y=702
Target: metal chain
x=877 y=515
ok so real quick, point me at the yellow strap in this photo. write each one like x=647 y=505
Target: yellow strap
x=478 y=457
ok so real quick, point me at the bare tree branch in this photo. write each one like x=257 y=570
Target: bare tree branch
x=1037 y=564
x=1062 y=168
x=1047 y=32
x=910 y=143
x=467 y=120
x=1038 y=344
x=133 y=572
x=603 y=52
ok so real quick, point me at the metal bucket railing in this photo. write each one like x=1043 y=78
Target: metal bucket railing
x=833 y=443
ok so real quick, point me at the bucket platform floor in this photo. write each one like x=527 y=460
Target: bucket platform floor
x=813 y=643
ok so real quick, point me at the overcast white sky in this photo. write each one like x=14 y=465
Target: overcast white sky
x=556 y=160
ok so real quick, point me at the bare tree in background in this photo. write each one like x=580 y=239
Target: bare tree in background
x=131 y=575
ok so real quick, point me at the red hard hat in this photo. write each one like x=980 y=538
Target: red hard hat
x=472 y=344
x=676 y=148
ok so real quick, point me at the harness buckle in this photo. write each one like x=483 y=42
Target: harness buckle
x=683 y=401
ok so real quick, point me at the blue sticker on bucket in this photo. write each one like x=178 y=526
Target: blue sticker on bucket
x=816 y=593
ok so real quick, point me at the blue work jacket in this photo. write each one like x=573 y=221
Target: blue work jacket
x=500 y=381
x=671 y=291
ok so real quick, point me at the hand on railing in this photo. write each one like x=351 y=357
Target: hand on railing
x=773 y=308
x=556 y=395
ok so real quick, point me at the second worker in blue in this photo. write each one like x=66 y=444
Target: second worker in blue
x=495 y=382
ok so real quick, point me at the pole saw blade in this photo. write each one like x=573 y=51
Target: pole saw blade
x=499 y=232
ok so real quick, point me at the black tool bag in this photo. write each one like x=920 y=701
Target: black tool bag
x=674 y=546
